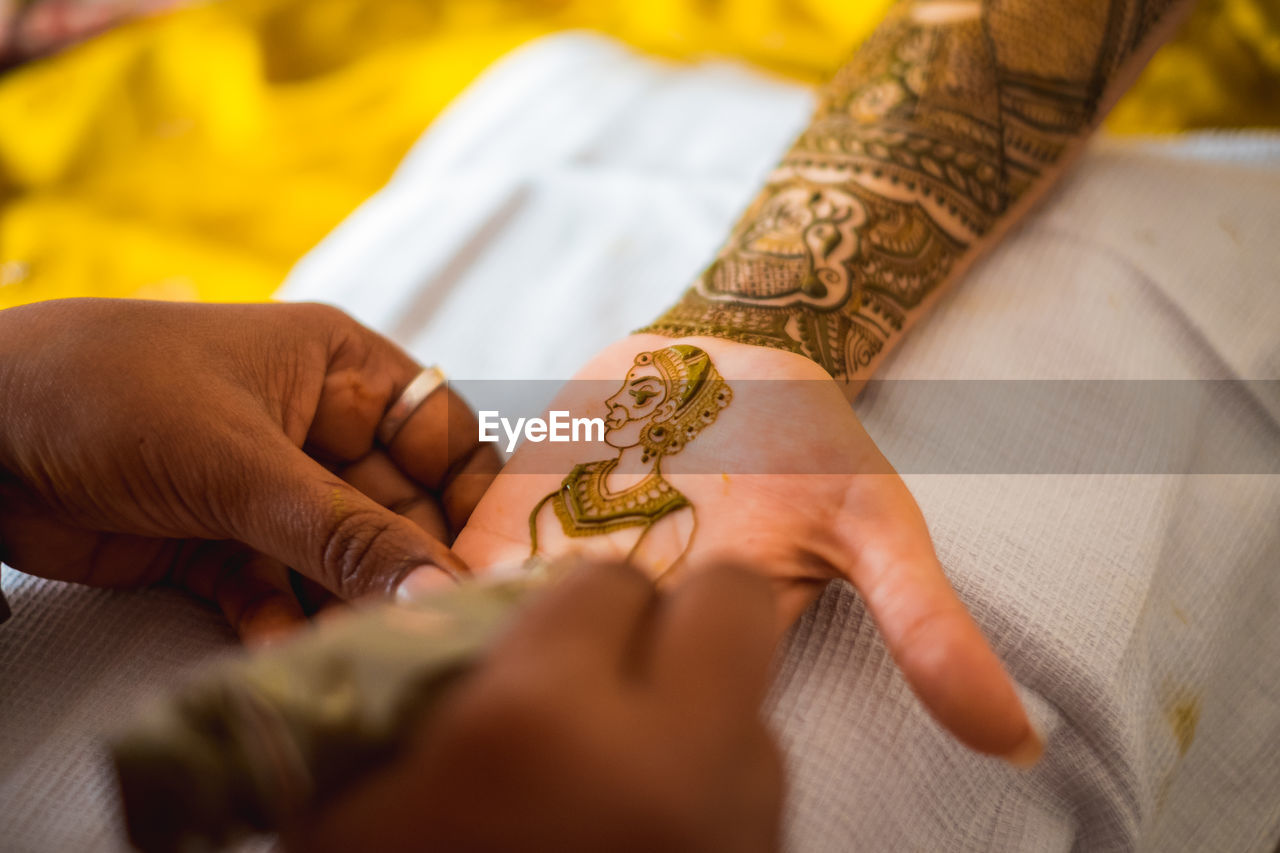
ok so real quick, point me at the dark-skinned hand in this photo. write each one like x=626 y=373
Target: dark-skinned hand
x=611 y=716
x=218 y=447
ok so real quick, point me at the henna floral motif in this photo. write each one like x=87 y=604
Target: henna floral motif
x=950 y=113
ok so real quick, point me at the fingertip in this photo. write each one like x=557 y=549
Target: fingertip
x=966 y=688
x=425 y=581
x=939 y=647
x=1028 y=752
x=270 y=621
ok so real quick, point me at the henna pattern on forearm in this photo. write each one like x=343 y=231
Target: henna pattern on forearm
x=947 y=116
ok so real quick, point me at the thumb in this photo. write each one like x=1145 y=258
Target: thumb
x=944 y=656
x=308 y=518
x=933 y=638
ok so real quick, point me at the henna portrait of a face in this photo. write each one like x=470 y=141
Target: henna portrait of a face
x=666 y=399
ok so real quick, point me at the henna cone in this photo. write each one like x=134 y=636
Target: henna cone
x=259 y=742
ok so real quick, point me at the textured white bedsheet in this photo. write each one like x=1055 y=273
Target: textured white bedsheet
x=579 y=187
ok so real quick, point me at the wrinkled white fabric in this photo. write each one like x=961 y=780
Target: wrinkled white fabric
x=573 y=192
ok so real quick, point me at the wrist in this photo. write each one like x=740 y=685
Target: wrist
x=733 y=359
x=765 y=387
x=754 y=356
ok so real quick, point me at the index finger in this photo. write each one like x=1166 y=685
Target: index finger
x=714 y=641
x=590 y=622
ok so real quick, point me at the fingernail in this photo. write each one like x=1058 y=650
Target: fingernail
x=268 y=640
x=1027 y=754
x=425 y=581
x=268 y=636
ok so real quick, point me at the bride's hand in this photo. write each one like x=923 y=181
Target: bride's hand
x=717 y=450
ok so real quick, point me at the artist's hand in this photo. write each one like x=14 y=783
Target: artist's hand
x=214 y=446
x=610 y=717
x=787 y=480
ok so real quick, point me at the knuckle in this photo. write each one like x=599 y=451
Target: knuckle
x=348 y=341
x=358 y=549
x=323 y=314
x=926 y=638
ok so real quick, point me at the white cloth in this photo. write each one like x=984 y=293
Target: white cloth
x=578 y=186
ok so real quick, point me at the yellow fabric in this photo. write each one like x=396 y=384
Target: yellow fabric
x=198 y=155
x=1222 y=70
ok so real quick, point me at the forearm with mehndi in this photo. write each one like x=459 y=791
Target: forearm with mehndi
x=925 y=143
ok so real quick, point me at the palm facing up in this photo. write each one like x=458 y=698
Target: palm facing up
x=720 y=450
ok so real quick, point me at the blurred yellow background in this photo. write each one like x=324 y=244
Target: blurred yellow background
x=199 y=154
